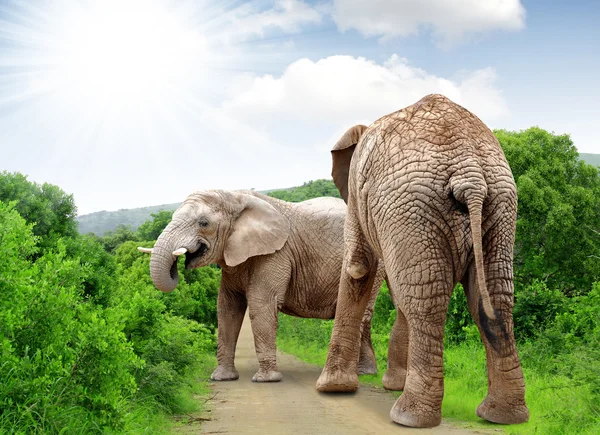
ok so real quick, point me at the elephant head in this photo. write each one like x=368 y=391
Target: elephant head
x=219 y=227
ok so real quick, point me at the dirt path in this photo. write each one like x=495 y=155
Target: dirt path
x=293 y=406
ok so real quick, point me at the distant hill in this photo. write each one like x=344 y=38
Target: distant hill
x=592 y=159
x=102 y=221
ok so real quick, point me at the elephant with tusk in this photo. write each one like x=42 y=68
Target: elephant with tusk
x=275 y=256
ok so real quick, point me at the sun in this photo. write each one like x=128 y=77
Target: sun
x=124 y=53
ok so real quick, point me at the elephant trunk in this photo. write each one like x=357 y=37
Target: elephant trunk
x=163 y=264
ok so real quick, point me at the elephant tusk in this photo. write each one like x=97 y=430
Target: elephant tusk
x=145 y=250
x=179 y=252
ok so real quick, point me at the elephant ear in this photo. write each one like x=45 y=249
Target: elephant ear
x=260 y=229
x=341 y=156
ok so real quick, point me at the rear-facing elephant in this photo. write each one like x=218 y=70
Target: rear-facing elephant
x=275 y=256
x=429 y=191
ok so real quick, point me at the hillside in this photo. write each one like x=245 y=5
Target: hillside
x=592 y=159
x=103 y=221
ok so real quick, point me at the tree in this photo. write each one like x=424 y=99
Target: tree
x=113 y=239
x=558 y=224
x=151 y=229
x=312 y=189
x=46 y=206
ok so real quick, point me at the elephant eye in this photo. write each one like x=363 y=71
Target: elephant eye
x=203 y=222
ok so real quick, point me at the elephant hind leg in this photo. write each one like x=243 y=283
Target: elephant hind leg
x=420 y=275
x=424 y=308
x=505 y=401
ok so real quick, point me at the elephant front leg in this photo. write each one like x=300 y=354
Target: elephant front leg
x=263 y=318
x=340 y=372
x=395 y=376
x=367 y=363
x=231 y=307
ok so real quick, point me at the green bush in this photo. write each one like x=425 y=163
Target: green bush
x=87 y=344
x=62 y=357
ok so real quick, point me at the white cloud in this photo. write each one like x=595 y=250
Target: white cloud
x=311 y=101
x=287 y=16
x=450 y=20
x=276 y=131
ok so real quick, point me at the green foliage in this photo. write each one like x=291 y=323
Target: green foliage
x=98 y=267
x=312 y=189
x=558 y=238
x=459 y=322
x=47 y=206
x=148 y=231
x=151 y=229
x=536 y=307
x=87 y=344
x=112 y=239
x=54 y=366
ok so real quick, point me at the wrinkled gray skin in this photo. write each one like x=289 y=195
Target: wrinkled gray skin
x=429 y=191
x=275 y=256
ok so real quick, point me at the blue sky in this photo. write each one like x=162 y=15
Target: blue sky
x=133 y=103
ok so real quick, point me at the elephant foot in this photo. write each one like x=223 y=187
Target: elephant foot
x=394 y=379
x=367 y=366
x=339 y=382
x=222 y=373
x=409 y=411
x=270 y=376
x=501 y=411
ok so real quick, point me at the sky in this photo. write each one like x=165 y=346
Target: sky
x=131 y=103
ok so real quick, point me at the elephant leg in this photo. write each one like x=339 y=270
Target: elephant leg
x=367 y=364
x=265 y=296
x=356 y=284
x=420 y=275
x=231 y=307
x=424 y=307
x=395 y=376
x=263 y=318
x=505 y=401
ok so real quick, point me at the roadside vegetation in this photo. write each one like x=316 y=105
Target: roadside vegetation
x=88 y=345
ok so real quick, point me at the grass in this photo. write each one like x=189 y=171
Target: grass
x=556 y=404
x=192 y=402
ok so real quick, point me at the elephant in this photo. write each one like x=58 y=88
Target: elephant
x=274 y=255
x=429 y=192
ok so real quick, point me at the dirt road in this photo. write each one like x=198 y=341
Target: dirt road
x=293 y=406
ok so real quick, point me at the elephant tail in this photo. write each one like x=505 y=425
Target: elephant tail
x=473 y=196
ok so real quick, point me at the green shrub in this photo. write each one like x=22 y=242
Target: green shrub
x=536 y=307
x=88 y=345
x=65 y=365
